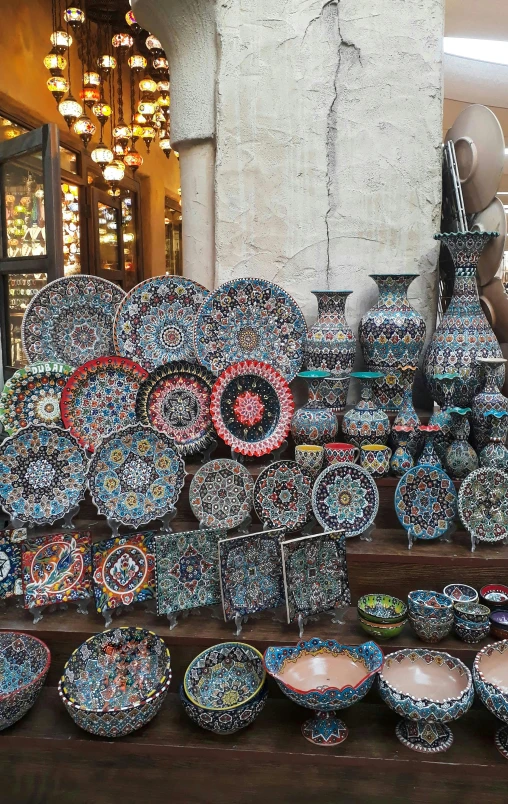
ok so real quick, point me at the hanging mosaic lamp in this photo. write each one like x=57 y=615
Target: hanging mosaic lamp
x=74 y=17
x=70 y=109
x=61 y=41
x=154 y=45
x=58 y=86
x=133 y=159
x=106 y=63
x=122 y=40
x=137 y=62
x=102 y=111
x=102 y=155
x=147 y=109
x=148 y=136
x=89 y=96
x=84 y=128
x=160 y=63
x=165 y=146
x=91 y=79
x=122 y=133
x=131 y=21
x=55 y=62
x=114 y=173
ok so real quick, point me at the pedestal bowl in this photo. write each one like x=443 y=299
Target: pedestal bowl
x=325 y=676
x=490 y=676
x=116 y=681
x=24 y=665
x=428 y=689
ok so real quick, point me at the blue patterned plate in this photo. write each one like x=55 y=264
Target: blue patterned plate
x=483 y=504
x=425 y=502
x=32 y=396
x=220 y=494
x=345 y=497
x=283 y=496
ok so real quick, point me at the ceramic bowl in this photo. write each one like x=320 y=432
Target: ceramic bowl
x=471 y=632
x=382 y=609
x=225 y=721
x=422 y=602
x=428 y=689
x=382 y=630
x=224 y=676
x=472 y=612
x=461 y=593
x=24 y=665
x=490 y=676
x=499 y=623
x=431 y=629
x=324 y=675
x=495 y=596
x=116 y=681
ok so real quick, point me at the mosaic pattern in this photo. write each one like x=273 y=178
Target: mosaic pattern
x=100 y=398
x=123 y=571
x=70 y=320
x=175 y=399
x=57 y=569
x=334 y=391
x=225 y=721
x=32 y=396
x=345 y=498
x=366 y=423
x=314 y=423
x=154 y=324
x=251 y=408
x=224 y=676
x=220 y=494
x=135 y=475
x=492 y=695
x=489 y=398
x=24 y=665
x=331 y=344
x=483 y=504
x=315 y=574
x=283 y=496
x=250 y=319
x=251 y=573
x=187 y=570
x=425 y=502
x=42 y=474
x=10 y=562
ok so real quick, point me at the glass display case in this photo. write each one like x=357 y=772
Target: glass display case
x=173 y=223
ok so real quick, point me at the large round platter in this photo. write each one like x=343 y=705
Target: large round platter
x=251 y=407
x=154 y=324
x=425 y=502
x=283 y=496
x=100 y=398
x=32 y=396
x=250 y=319
x=483 y=504
x=175 y=399
x=345 y=498
x=220 y=494
x=135 y=475
x=42 y=474
x=70 y=320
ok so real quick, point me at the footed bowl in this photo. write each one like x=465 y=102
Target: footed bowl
x=116 y=681
x=428 y=689
x=24 y=665
x=225 y=721
x=490 y=676
x=325 y=676
x=224 y=676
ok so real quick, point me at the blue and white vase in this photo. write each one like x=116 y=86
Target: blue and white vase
x=495 y=453
x=314 y=423
x=330 y=344
x=460 y=458
x=490 y=398
x=442 y=418
x=429 y=455
x=366 y=423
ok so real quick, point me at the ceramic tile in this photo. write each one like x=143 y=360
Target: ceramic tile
x=56 y=569
x=123 y=571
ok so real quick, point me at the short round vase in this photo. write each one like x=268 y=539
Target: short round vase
x=366 y=423
x=314 y=423
x=490 y=398
x=401 y=461
x=330 y=344
x=391 y=334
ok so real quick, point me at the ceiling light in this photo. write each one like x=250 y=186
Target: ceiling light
x=492 y=50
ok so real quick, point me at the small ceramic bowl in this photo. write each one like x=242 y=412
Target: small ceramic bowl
x=224 y=676
x=422 y=602
x=378 y=608
x=495 y=596
x=382 y=630
x=499 y=623
x=461 y=593
x=471 y=632
x=472 y=612
x=431 y=629
x=24 y=665
x=228 y=721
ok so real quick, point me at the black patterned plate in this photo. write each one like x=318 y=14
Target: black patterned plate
x=345 y=498
x=283 y=496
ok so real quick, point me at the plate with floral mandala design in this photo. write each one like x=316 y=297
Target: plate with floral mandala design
x=483 y=504
x=425 y=502
x=42 y=474
x=251 y=407
x=345 y=498
x=135 y=475
x=220 y=494
x=175 y=399
x=32 y=396
x=283 y=496
x=70 y=320
x=100 y=398
x=250 y=319
x=154 y=324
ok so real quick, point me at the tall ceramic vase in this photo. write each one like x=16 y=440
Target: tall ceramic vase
x=366 y=423
x=314 y=423
x=330 y=344
x=490 y=398
x=464 y=333
x=392 y=335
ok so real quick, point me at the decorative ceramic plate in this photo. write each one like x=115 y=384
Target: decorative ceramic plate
x=42 y=474
x=220 y=494
x=135 y=475
x=100 y=398
x=483 y=504
x=251 y=407
x=425 y=502
x=345 y=498
x=10 y=562
x=32 y=396
x=250 y=319
x=56 y=569
x=175 y=399
x=123 y=571
x=70 y=320
x=283 y=496
x=154 y=324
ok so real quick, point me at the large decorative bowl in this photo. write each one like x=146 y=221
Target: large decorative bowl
x=24 y=665
x=116 y=681
x=324 y=675
x=428 y=689
x=490 y=676
x=224 y=677
x=425 y=603
x=225 y=721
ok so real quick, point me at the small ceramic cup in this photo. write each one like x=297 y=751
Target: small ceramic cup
x=341 y=453
x=310 y=458
x=375 y=458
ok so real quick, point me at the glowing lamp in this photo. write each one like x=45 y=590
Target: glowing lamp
x=153 y=43
x=147 y=109
x=137 y=62
x=132 y=22
x=148 y=136
x=137 y=131
x=102 y=155
x=122 y=40
x=160 y=63
x=55 y=63
x=74 y=16
x=106 y=63
x=133 y=160
x=91 y=79
x=58 y=86
x=70 y=109
x=84 y=128
x=165 y=146
x=60 y=40
x=163 y=86
x=148 y=85
x=114 y=172
x=89 y=96
x=102 y=111
x=122 y=133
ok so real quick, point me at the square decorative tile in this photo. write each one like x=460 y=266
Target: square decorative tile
x=187 y=570
x=251 y=573
x=57 y=569
x=10 y=562
x=315 y=574
x=123 y=570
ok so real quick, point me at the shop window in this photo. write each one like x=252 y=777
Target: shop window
x=23 y=200
x=20 y=288
x=173 y=223
x=71 y=229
